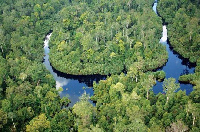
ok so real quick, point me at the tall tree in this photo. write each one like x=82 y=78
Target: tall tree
x=169 y=87
x=39 y=123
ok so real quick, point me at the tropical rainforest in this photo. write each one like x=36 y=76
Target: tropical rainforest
x=117 y=38
x=106 y=38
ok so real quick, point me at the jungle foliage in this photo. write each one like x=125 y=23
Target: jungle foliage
x=90 y=37
x=184 y=32
x=106 y=37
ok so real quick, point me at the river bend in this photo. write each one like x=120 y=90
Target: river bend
x=176 y=64
x=75 y=86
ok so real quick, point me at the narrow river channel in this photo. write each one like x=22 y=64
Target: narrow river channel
x=176 y=64
x=74 y=86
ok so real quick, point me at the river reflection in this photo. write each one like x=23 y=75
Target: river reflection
x=73 y=86
x=176 y=64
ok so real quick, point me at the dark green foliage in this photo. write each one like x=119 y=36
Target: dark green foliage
x=62 y=121
x=105 y=38
x=183 y=26
x=94 y=37
x=27 y=89
x=160 y=75
x=119 y=109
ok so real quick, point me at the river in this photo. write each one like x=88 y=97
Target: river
x=176 y=64
x=74 y=86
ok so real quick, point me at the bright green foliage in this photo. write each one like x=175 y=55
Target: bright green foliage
x=26 y=87
x=105 y=37
x=183 y=26
x=119 y=106
x=122 y=109
x=39 y=123
x=96 y=37
x=63 y=121
x=159 y=75
x=148 y=82
x=169 y=87
x=85 y=113
x=195 y=80
x=183 y=29
x=193 y=109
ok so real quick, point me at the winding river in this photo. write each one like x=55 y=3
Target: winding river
x=176 y=64
x=74 y=86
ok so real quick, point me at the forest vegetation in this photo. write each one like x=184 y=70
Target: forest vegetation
x=106 y=38
x=96 y=37
x=184 y=32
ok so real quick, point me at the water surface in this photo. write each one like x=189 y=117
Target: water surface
x=73 y=86
x=176 y=64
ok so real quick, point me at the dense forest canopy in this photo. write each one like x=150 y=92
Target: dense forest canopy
x=106 y=37
x=95 y=37
x=184 y=32
x=183 y=26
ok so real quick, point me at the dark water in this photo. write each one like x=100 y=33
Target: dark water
x=176 y=64
x=73 y=86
